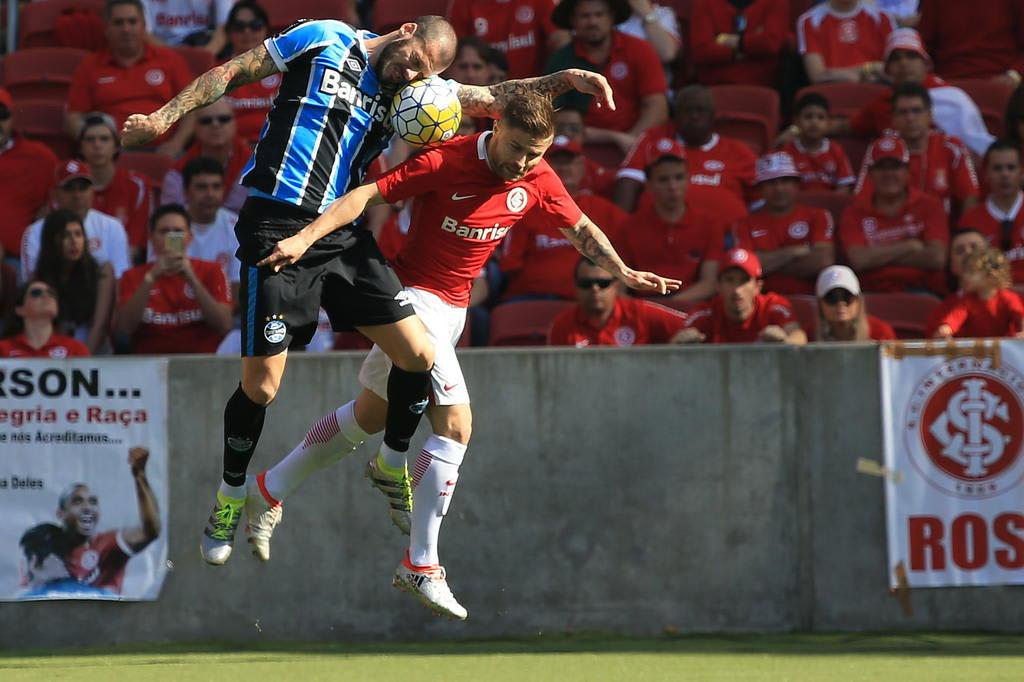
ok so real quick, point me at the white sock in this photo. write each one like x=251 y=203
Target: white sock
x=235 y=492
x=433 y=483
x=332 y=437
x=394 y=459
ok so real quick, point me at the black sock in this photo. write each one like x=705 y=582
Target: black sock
x=243 y=424
x=408 y=394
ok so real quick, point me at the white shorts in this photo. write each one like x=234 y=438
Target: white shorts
x=444 y=323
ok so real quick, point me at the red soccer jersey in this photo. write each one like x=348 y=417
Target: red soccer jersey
x=633 y=323
x=769 y=309
x=762 y=231
x=763 y=41
x=987 y=219
x=944 y=169
x=251 y=103
x=675 y=250
x=520 y=29
x=876 y=116
x=127 y=197
x=967 y=40
x=826 y=169
x=173 y=321
x=597 y=179
x=922 y=218
x=26 y=176
x=844 y=38
x=970 y=317
x=100 y=561
x=56 y=347
x=880 y=330
x=463 y=210
x=540 y=260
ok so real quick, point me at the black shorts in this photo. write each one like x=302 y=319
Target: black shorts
x=345 y=274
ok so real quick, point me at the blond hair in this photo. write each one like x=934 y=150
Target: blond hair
x=860 y=325
x=991 y=263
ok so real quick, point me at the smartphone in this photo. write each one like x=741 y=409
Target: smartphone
x=175 y=242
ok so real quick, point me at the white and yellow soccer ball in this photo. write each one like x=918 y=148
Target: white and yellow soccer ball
x=426 y=111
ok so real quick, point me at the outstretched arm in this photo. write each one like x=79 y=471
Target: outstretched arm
x=208 y=88
x=139 y=538
x=590 y=241
x=489 y=100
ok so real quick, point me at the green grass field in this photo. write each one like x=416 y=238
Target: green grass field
x=818 y=658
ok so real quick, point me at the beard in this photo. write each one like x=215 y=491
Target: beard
x=385 y=68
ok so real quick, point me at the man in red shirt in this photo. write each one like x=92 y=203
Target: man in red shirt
x=27 y=170
x=630 y=64
x=33 y=335
x=843 y=41
x=793 y=242
x=597 y=179
x=523 y=30
x=603 y=317
x=1000 y=218
x=469 y=193
x=174 y=304
x=721 y=168
x=975 y=41
x=940 y=165
x=895 y=238
x=738 y=42
x=131 y=75
x=536 y=256
x=741 y=313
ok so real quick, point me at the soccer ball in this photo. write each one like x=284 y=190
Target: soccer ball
x=425 y=112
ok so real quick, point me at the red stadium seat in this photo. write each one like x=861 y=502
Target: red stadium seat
x=608 y=155
x=149 y=164
x=37 y=20
x=907 y=313
x=806 y=309
x=991 y=99
x=284 y=13
x=833 y=202
x=199 y=60
x=747 y=112
x=390 y=14
x=41 y=72
x=846 y=99
x=43 y=120
x=855 y=148
x=524 y=323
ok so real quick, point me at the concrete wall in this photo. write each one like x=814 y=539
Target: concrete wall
x=706 y=489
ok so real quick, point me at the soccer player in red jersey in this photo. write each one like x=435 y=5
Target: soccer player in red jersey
x=1000 y=218
x=469 y=193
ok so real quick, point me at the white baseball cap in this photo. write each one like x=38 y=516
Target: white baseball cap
x=775 y=165
x=837 y=277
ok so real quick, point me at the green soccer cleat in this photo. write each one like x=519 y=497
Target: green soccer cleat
x=219 y=533
x=397 y=487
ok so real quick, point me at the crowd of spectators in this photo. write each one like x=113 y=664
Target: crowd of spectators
x=115 y=260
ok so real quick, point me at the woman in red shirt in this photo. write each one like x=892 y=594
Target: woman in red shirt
x=842 y=314
x=247 y=27
x=29 y=327
x=988 y=307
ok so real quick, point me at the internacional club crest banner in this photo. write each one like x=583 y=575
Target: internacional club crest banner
x=83 y=479
x=953 y=419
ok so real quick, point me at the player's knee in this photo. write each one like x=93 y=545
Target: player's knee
x=261 y=390
x=457 y=426
x=418 y=358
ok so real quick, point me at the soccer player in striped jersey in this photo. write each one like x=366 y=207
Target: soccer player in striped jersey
x=327 y=124
x=469 y=193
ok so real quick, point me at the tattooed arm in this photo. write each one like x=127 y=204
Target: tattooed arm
x=208 y=88
x=479 y=101
x=590 y=241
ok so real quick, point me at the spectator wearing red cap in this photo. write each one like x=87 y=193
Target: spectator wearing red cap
x=940 y=165
x=843 y=41
x=118 y=192
x=108 y=242
x=986 y=307
x=895 y=237
x=29 y=327
x=1000 y=218
x=128 y=76
x=603 y=317
x=536 y=257
x=671 y=233
x=26 y=176
x=971 y=40
x=738 y=41
x=793 y=242
x=741 y=313
x=523 y=30
x=247 y=27
x=631 y=66
x=823 y=166
x=597 y=179
x=174 y=304
x=842 y=313
x=721 y=168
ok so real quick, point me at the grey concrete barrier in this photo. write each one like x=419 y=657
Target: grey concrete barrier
x=706 y=489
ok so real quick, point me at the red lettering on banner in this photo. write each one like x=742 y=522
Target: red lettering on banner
x=971 y=552
x=925 y=535
x=969 y=542
x=1007 y=528
x=98 y=415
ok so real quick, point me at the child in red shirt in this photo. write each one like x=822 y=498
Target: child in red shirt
x=823 y=165
x=987 y=308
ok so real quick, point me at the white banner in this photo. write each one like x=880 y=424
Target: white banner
x=953 y=422
x=83 y=478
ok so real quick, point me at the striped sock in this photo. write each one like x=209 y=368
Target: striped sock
x=434 y=475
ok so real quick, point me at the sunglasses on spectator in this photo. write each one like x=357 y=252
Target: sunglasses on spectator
x=223 y=119
x=39 y=292
x=836 y=295
x=589 y=283
x=253 y=25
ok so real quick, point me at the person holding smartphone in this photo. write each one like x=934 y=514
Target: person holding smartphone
x=174 y=304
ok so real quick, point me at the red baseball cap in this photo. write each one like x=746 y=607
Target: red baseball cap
x=888 y=147
x=73 y=170
x=5 y=99
x=664 y=147
x=746 y=261
x=564 y=143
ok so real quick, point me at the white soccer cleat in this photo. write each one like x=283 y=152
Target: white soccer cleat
x=219 y=534
x=261 y=517
x=429 y=585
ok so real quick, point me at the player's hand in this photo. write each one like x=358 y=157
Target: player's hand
x=137 y=458
x=592 y=84
x=140 y=129
x=286 y=252
x=648 y=281
x=773 y=333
